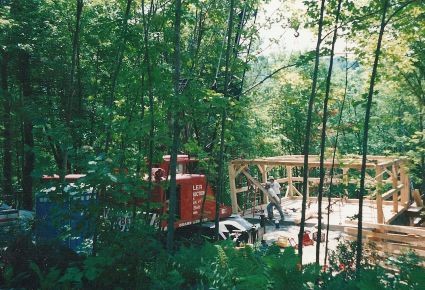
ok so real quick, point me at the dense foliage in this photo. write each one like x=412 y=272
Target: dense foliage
x=89 y=86
x=125 y=265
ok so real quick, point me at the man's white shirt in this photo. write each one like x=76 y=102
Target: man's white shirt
x=276 y=187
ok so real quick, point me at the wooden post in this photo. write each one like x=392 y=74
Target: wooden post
x=394 y=177
x=378 y=178
x=405 y=190
x=418 y=199
x=308 y=185
x=233 y=194
x=263 y=171
x=289 y=190
x=308 y=189
x=345 y=178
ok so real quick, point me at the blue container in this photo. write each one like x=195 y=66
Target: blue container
x=65 y=216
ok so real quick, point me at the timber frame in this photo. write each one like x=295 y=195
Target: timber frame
x=381 y=170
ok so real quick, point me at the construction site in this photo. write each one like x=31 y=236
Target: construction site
x=391 y=210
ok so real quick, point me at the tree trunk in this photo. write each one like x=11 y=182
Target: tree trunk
x=421 y=128
x=359 y=247
x=28 y=138
x=308 y=132
x=116 y=71
x=220 y=186
x=72 y=105
x=149 y=80
x=176 y=129
x=323 y=136
x=7 y=132
x=333 y=158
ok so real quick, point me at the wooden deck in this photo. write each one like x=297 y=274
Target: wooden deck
x=343 y=213
x=380 y=208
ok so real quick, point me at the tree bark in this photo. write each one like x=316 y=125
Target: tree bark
x=323 y=136
x=308 y=131
x=220 y=186
x=116 y=71
x=176 y=129
x=335 y=145
x=149 y=80
x=72 y=105
x=421 y=128
x=7 y=132
x=359 y=246
x=28 y=138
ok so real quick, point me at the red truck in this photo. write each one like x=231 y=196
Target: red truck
x=195 y=197
x=195 y=201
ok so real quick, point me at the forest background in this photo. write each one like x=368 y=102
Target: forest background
x=103 y=87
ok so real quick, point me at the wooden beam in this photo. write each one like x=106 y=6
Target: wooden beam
x=405 y=190
x=387 y=163
x=394 y=178
x=239 y=170
x=410 y=240
x=289 y=190
x=399 y=249
x=241 y=189
x=345 y=178
x=418 y=199
x=255 y=181
x=312 y=164
x=261 y=168
x=393 y=193
x=233 y=193
x=388 y=247
x=379 y=210
x=264 y=177
x=392 y=228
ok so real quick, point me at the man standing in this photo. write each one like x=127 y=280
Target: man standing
x=275 y=186
x=274 y=202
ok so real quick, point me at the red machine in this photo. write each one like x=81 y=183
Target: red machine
x=195 y=197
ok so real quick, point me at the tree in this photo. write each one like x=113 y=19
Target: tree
x=227 y=76
x=308 y=130
x=7 y=132
x=359 y=247
x=323 y=135
x=176 y=127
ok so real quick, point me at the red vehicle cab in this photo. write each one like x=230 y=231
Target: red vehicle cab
x=195 y=197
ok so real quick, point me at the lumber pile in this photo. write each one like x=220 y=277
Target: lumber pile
x=390 y=238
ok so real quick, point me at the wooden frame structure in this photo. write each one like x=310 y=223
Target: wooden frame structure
x=381 y=170
x=390 y=238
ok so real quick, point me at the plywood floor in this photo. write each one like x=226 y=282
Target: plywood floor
x=341 y=214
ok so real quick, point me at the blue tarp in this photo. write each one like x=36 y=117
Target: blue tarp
x=65 y=216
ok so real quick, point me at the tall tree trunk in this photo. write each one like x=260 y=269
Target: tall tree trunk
x=115 y=73
x=220 y=186
x=7 y=132
x=78 y=94
x=72 y=104
x=359 y=247
x=421 y=128
x=333 y=158
x=323 y=136
x=149 y=80
x=176 y=128
x=308 y=131
x=28 y=138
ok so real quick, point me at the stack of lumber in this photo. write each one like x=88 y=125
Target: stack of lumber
x=390 y=238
